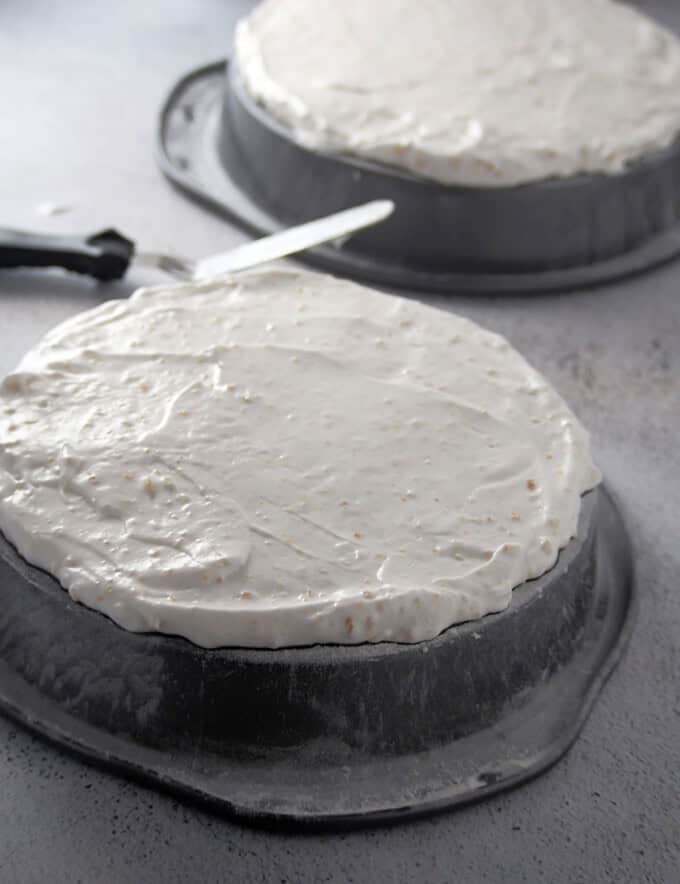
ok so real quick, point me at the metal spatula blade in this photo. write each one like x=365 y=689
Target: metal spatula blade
x=108 y=254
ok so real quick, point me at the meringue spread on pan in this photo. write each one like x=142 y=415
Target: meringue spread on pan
x=284 y=458
x=484 y=93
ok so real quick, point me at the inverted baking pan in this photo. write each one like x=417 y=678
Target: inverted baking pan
x=332 y=735
x=219 y=146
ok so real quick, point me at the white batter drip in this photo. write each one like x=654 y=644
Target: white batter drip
x=285 y=458
x=476 y=92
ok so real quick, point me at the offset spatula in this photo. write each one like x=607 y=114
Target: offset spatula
x=107 y=255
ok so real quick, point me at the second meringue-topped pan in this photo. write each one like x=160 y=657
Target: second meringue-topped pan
x=217 y=144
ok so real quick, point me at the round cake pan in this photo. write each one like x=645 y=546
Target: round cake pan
x=330 y=735
x=217 y=144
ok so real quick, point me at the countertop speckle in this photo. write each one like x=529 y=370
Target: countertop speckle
x=82 y=84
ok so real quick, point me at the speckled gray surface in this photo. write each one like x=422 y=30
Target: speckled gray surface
x=81 y=84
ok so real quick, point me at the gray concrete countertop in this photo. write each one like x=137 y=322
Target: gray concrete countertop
x=82 y=82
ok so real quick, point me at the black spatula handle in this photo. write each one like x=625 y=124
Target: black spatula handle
x=105 y=255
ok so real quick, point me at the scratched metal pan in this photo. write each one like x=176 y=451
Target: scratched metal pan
x=220 y=147
x=327 y=736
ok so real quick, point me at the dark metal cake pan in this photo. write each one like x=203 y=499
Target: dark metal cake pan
x=327 y=735
x=217 y=144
